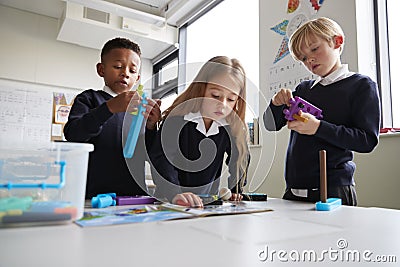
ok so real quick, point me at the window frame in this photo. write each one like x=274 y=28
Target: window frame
x=177 y=85
x=169 y=87
x=383 y=62
x=182 y=75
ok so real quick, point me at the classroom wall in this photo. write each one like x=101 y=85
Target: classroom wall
x=377 y=175
x=29 y=51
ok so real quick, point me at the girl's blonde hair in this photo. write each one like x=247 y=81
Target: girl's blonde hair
x=216 y=66
x=324 y=28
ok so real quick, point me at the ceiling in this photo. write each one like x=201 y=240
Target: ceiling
x=54 y=8
x=172 y=12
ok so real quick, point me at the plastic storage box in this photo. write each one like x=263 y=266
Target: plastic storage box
x=55 y=173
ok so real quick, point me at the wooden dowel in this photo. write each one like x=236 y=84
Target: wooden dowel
x=322 y=175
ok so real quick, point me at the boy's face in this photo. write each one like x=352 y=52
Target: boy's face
x=220 y=98
x=320 y=56
x=120 y=69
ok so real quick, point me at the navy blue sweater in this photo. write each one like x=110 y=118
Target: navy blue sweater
x=183 y=156
x=351 y=121
x=90 y=121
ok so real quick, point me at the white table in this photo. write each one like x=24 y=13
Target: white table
x=292 y=229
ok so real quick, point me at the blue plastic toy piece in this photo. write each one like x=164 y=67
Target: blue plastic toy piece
x=330 y=204
x=104 y=200
x=15 y=203
x=9 y=185
x=134 y=129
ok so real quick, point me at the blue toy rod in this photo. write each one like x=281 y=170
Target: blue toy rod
x=134 y=130
x=61 y=184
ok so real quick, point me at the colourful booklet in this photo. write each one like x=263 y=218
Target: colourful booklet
x=133 y=214
x=228 y=208
x=163 y=212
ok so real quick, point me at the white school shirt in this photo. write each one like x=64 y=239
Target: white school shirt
x=339 y=74
x=198 y=118
x=109 y=91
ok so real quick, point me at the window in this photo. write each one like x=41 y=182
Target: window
x=389 y=59
x=165 y=79
x=394 y=56
x=229 y=29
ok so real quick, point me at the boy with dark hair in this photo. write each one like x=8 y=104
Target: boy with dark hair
x=97 y=117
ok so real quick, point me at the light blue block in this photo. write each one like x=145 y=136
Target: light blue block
x=330 y=204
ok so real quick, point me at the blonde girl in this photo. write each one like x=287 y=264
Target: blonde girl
x=206 y=121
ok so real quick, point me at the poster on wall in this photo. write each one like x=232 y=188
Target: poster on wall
x=62 y=103
x=24 y=115
x=284 y=71
x=27 y=113
x=61 y=113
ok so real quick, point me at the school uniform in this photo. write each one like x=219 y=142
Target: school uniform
x=90 y=121
x=351 y=120
x=185 y=157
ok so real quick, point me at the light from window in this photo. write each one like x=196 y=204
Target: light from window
x=229 y=29
x=394 y=57
x=167 y=101
x=169 y=72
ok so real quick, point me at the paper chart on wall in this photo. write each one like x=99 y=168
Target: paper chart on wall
x=25 y=113
x=287 y=74
x=284 y=71
x=24 y=116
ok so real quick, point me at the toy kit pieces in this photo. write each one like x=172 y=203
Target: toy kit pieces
x=297 y=104
x=300 y=118
x=136 y=126
x=322 y=175
x=326 y=204
x=111 y=199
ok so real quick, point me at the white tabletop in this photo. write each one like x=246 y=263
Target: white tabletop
x=291 y=230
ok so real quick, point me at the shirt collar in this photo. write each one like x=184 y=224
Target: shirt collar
x=339 y=74
x=109 y=91
x=198 y=118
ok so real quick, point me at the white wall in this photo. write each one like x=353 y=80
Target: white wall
x=30 y=52
x=378 y=173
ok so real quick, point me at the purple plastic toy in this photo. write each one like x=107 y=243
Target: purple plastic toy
x=297 y=104
x=134 y=200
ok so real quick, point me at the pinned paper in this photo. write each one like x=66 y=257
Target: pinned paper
x=283 y=50
x=293 y=5
x=281 y=27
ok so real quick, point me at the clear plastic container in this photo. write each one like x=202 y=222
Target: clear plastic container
x=56 y=172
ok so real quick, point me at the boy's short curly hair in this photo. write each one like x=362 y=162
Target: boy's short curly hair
x=322 y=27
x=120 y=43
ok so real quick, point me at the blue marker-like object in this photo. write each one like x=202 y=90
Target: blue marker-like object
x=104 y=200
x=136 y=126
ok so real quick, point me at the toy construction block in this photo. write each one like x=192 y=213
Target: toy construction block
x=297 y=104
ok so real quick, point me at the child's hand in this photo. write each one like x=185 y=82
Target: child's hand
x=236 y=197
x=120 y=103
x=282 y=97
x=309 y=127
x=188 y=199
x=152 y=113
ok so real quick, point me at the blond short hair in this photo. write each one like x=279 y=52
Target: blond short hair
x=324 y=28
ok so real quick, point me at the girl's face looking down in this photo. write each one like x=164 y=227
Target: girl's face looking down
x=220 y=98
